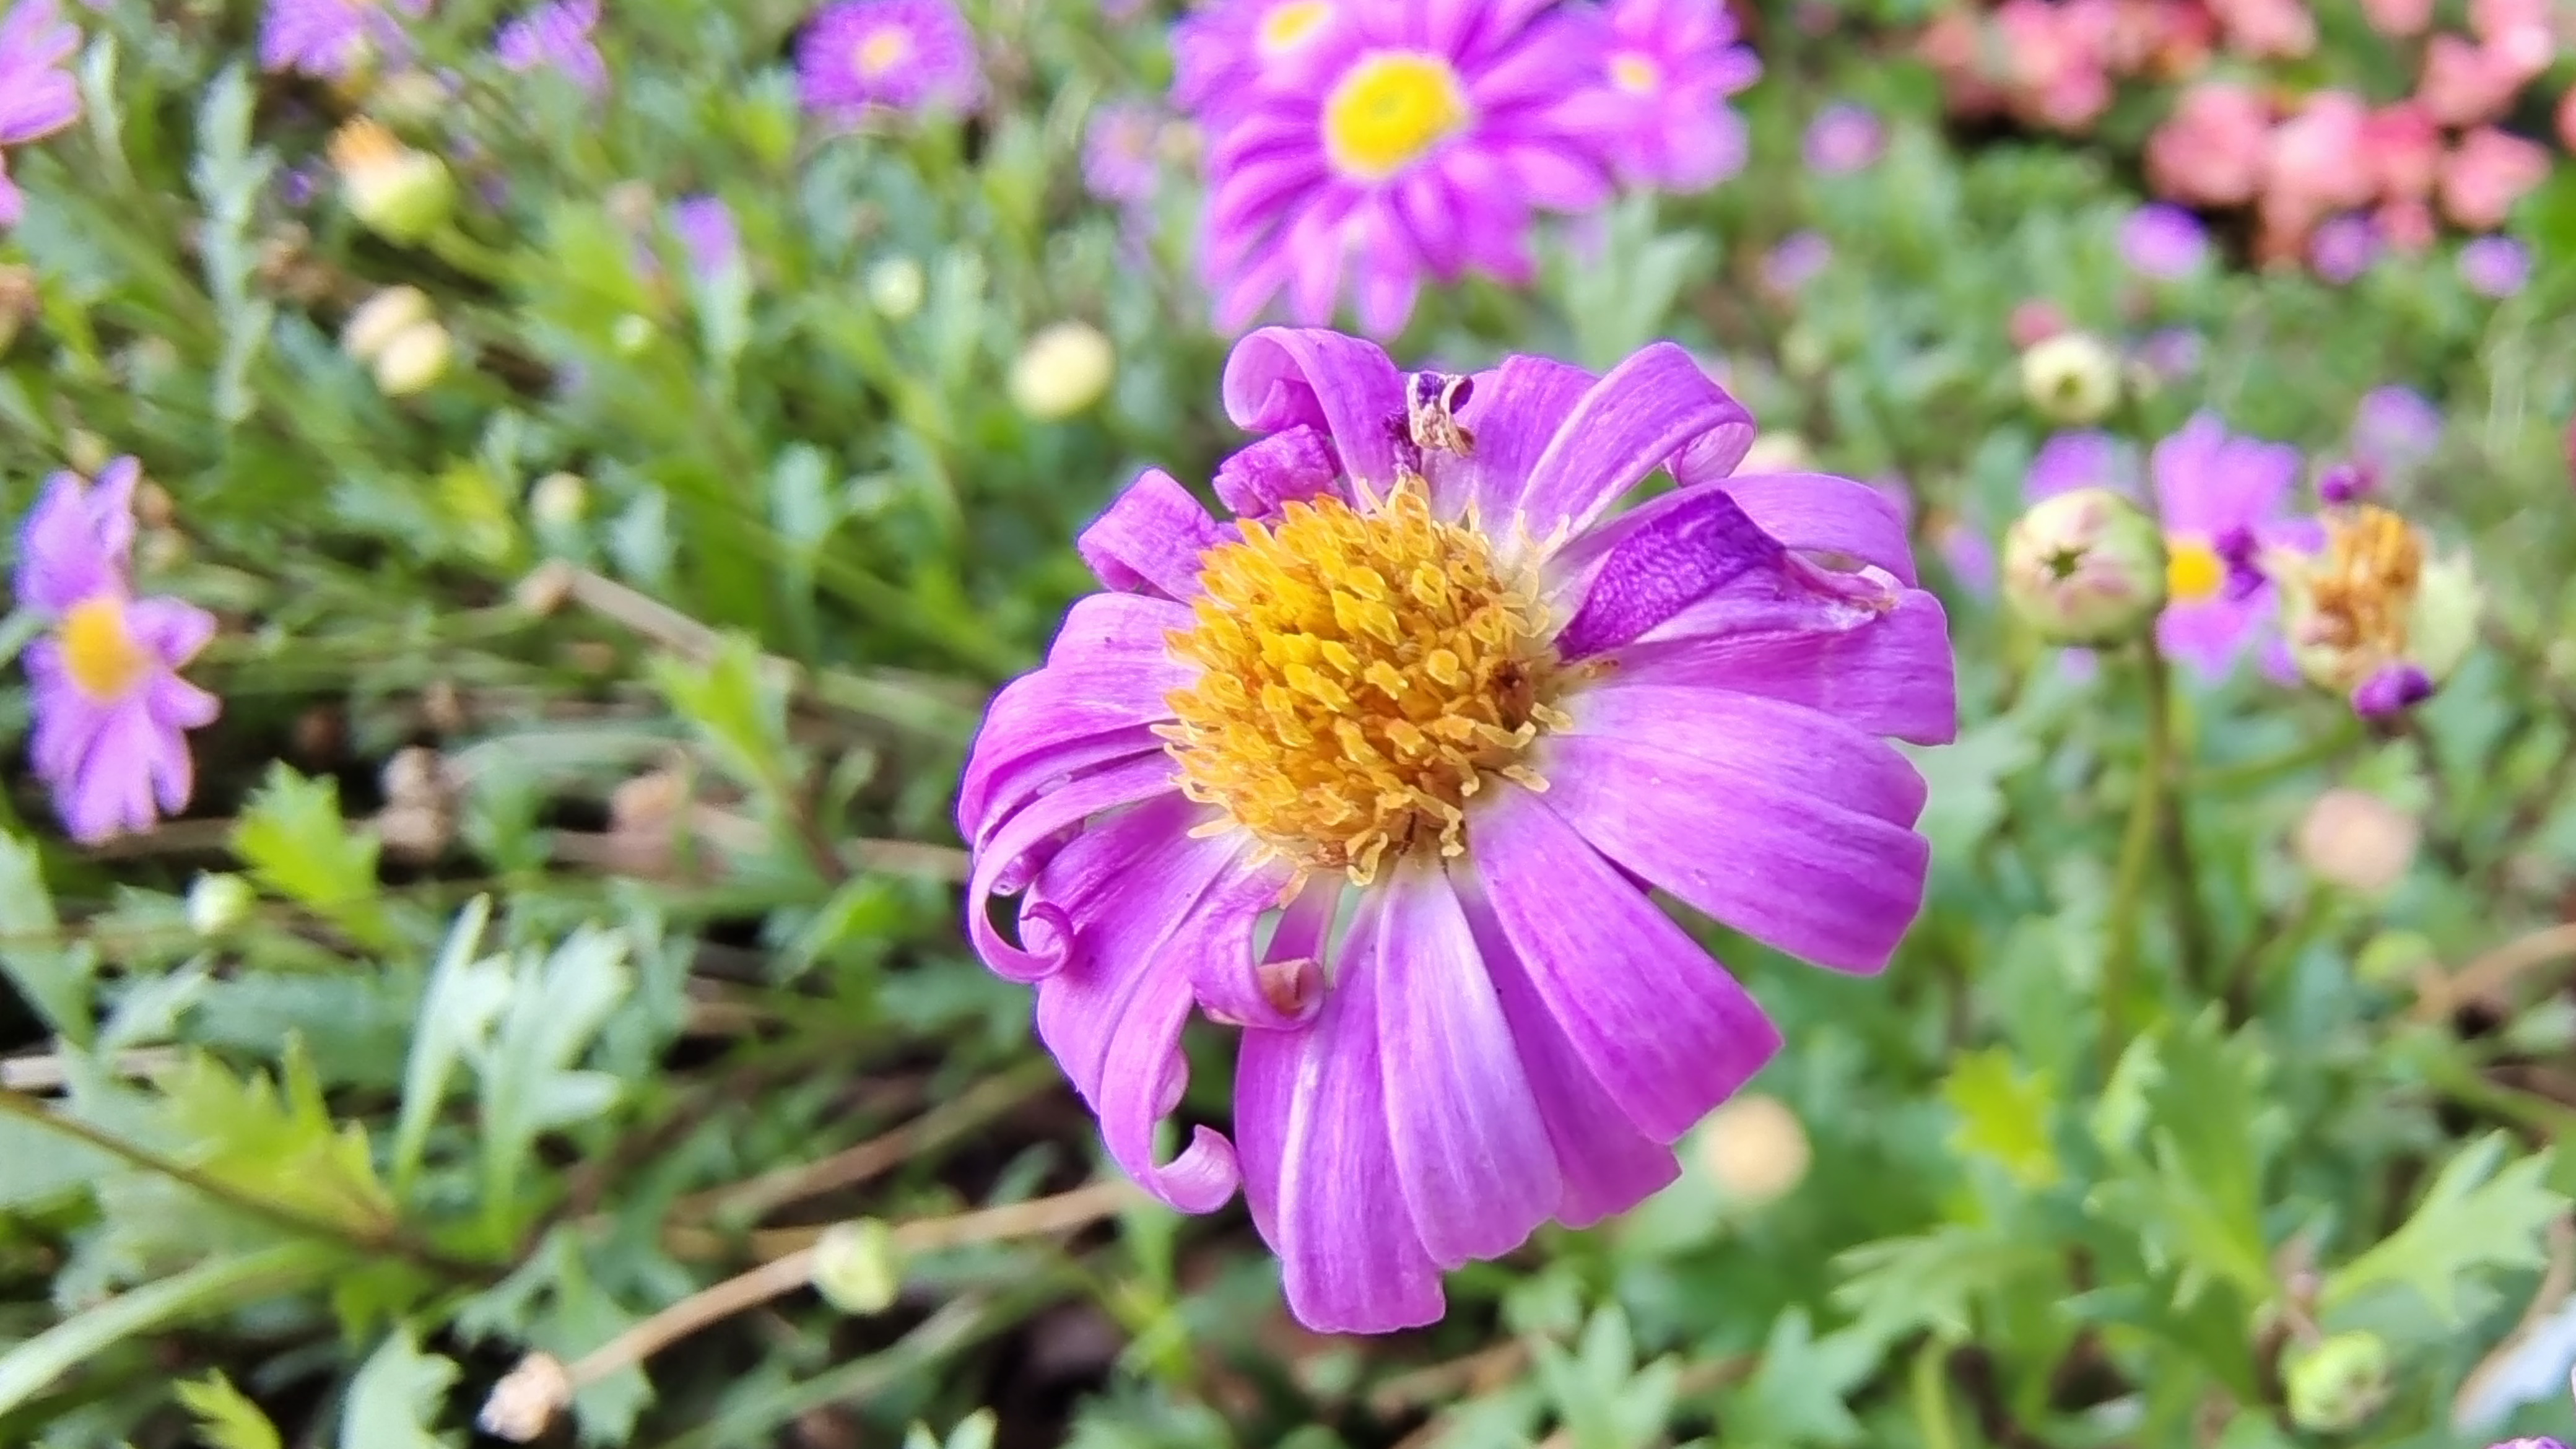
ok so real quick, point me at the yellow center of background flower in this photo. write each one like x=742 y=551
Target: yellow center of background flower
x=1288 y=26
x=2193 y=570
x=100 y=653
x=1634 y=73
x=1362 y=674
x=882 y=49
x=1389 y=111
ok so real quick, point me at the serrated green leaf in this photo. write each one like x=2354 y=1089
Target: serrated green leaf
x=1899 y=1285
x=464 y=998
x=395 y=1396
x=2474 y=1219
x=2003 y=1115
x=279 y=1143
x=55 y=978
x=295 y=843
x=1798 y=1394
x=735 y=707
x=226 y=1418
x=2196 y=1197
x=530 y=1083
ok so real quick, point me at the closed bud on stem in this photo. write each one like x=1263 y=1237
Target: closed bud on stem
x=857 y=1267
x=413 y=359
x=1063 y=369
x=2337 y=1382
x=217 y=902
x=896 y=287
x=559 y=500
x=2085 y=568
x=378 y=318
x=400 y=194
x=2071 y=378
x=1755 y=1149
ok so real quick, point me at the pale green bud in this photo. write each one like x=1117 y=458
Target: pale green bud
x=1063 y=369
x=896 y=287
x=631 y=334
x=217 y=902
x=2071 y=378
x=2336 y=1383
x=413 y=359
x=857 y=1267
x=2085 y=568
x=559 y=500
x=377 y=320
x=400 y=194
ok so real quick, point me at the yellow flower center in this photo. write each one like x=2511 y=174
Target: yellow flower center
x=2193 y=570
x=2363 y=586
x=1390 y=111
x=102 y=656
x=1361 y=675
x=1636 y=74
x=1288 y=26
x=882 y=49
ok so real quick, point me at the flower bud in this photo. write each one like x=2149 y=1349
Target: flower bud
x=396 y=192
x=412 y=359
x=1063 y=369
x=217 y=902
x=857 y=1267
x=2071 y=378
x=2336 y=1383
x=378 y=318
x=19 y=302
x=558 y=500
x=896 y=287
x=631 y=334
x=1755 y=1149
x=2086 y=568
x=2354 y=839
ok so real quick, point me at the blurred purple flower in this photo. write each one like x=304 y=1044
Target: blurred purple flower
x=1121 y=152
x=1400 y=161
x=1844 y=137
x=111 y=712
x=2343 y=248
x=1795 y=261
x=331 y=38
x=2172 y=353
x=37 y=97
x=901 y=55
x=2395 y=428
x=705 y=227
x=2208 y=486
x=2495 y=266
x=1969 y=555
x=2164 y=241
x=2086 y=459
x=556 y=36
x=1669 y=67
x=1226 y=54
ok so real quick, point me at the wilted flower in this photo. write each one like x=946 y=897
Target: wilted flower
x=556 y=36
x=1425 y=677
x=2487 y=173
x=2085 y=568
x=2071 y=378
x=1667 y=71
x=331 y=38
x=2374 y=614
x=111 y=712
x=1226 y=54
x=399 y=193
x=2164 y=241
x=705 y=227
x=1398 y=161
x=1844 y=137
x=901 y=55
x=2221 y=499
x=2495 y=266
x=1063 y=369
x=37 y=97
x=2212 y=150
x=1122 y=153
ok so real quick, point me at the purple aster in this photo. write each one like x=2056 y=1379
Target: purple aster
x=705 y=227
x=1417 y=148
x=1844 y=137
x=1122 y=153
x=556 y=36
x=2164 y=241
x=2395 y=428
x=902 y=55
x=111 y=712
x=1228 y=53
x=2214 y=493
x=1668 y=68
x=2495 y=266
x=1795 y=261
x=2343 y=248
x=331 y=38
x=2086 y=459
x=37 y=97
x=1252 y=737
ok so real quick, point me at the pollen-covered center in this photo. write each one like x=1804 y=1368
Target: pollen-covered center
x=2193 y=570
x=100 y=653
x=1390 y=111
x=1363 y=673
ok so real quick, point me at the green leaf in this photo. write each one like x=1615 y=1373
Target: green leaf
x=292 y=838
x=464 y=998
x=55 y=978
x=226 y=1418
x=2196 y=1198
x=279 y=1143
x=394 y=1397
x=1898 y=1285
x=1798 y=1395
x=214 y=1286
x=2473 y=1219
x=2003 y=1115
x=529 y=1082
x=1965 y=779
x=737 y=709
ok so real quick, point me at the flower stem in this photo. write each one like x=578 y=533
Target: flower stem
x=2128 y=883
x=2182 y=875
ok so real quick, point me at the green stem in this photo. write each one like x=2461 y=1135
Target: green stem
x=2128 y=883
x=210 y=1287
x=2182 y=876
x=469 y=256
x=2227 y=779
x=1931 y=1385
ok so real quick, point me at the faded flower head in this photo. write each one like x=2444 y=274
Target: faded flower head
x=2085 y=567
x=556 y=36
x=332 y=39
x=1382 y=771
x=859 y=56
x=2221 y=500
x=1667 y=69
x=2375 y=614
x=111 y=712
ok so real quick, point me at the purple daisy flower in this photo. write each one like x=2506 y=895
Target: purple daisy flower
x=902 y=55
x=1844 y=137
x=2343 y=248
x=2395 y=428
x=2221 y=500
x=2495 y=266
x=705 y=227
x=111 y=712
x=1426 y=683
x=2085 y=459
x=556 y=36
x=1122 y=153
x=37 y=97
x=2164 y=241
x=1227 y=53
x=1418 y=145
x=1669 y=67
x=331 y=38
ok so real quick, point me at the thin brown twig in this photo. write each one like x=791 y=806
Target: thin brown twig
x=46 y=1072
x=1438 y=1382
x=2438 y=994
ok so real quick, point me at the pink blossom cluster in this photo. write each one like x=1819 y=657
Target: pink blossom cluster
x=2055 y=64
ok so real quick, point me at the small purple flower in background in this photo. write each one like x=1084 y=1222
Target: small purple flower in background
x=37 y=97
x=2172 y=354
x=1227 y=53
x=2085 y=459
x=2164 y=241
x=1122 y=153
x=1509 y=1029
x=2395 y=428
x=901 y=55
x=556 y=36
x=111 y=712
x=1844 y=137
x=1968 y=553
x=1401 y=160
x=2495 y=266
x=2219 y=497
x=1669 y=67
x=705 y=227
x=1795 y=261
x=2343 y=248
x=331 y=38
